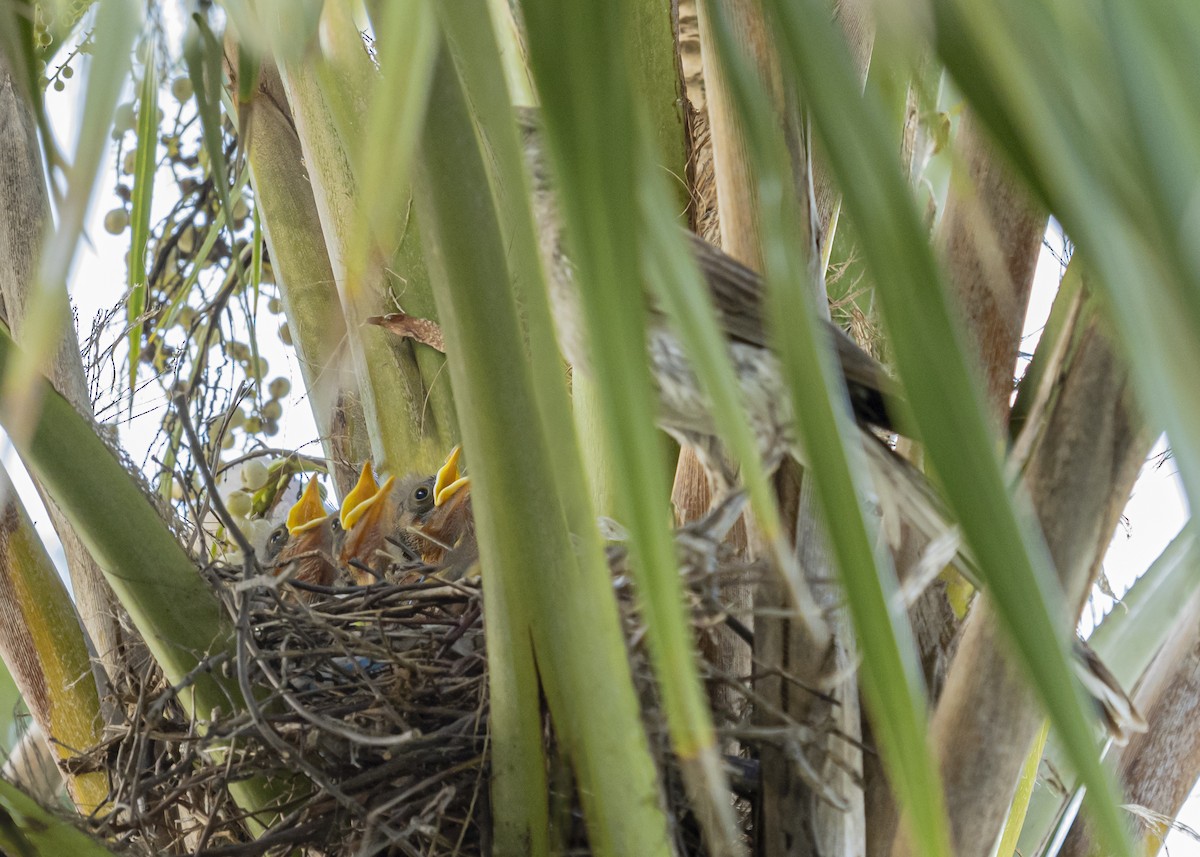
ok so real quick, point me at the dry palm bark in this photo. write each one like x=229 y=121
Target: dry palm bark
x=784 y=812
x=1158 y=769
x=690 y=493
x=1085 y=459
x=990 y=237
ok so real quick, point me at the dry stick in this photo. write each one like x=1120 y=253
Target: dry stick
x=340 y=729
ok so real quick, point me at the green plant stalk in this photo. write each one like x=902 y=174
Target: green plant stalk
x=274 y=28
x=648 y=35
x=588 y=410
x=405 y=35
x=29 y=830
x=519 y=790
x=945 y=399
x=520 y=811
x=380 y=125
x=43 y=644
x=1025 y=787
x=1126 y=641
x=465 y=44
x=300 y=260
x=249 y=65
x=673 y=274
x=512 y=53
x=172 y=451
x=377 y=115
x=1129 y=638
x=596 y=174
x=254 y=275
x=493 y=116
x=211 y=233
x=474 y=47
x=202 y=55
x=889 y=673
x=526 y=548
x=144 y=171
x=564 y=604
x=170 y=604
x=117 y=24
x=403 y=437
x=1112 y=173
x=1057 y=326
x=589 y=109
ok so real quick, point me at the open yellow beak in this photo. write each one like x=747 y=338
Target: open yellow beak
x=448 y=482
x=366 y=494
x=366 y=487
x=308 y=512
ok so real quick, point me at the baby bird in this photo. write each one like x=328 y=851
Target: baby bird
x=305 y=546
x=431 y=516
x=368 y=517
x=435 y=518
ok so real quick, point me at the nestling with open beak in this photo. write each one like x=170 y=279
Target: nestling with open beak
x=431 y=516
x=306 y=545
x=436 y=520
x=368 y=517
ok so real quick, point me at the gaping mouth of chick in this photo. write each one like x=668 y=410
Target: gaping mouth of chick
x=448 y=481
x=308 y=512
x=363 y=497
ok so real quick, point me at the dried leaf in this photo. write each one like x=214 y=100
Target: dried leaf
x=423 y=330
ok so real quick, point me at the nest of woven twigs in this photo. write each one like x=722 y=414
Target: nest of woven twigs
x=378 y=695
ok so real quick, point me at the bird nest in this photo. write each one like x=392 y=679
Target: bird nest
x=377 y=696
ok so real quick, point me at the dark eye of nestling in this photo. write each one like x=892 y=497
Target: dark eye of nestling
x=277 y=540
x=420 y=499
